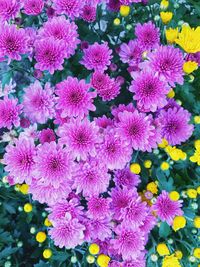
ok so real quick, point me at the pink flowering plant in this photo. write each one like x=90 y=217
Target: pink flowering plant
x=99 y=129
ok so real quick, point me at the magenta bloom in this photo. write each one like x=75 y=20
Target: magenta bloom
x=71 y=8
x=148 y=35
x=175 y=125
x=91 y=178
x=47 y=136
x=49 y=54
x=166 y=208
x=129 y=242
x=139 y=262
x=167 y=62
x=136 y=128
x=75 y=99
x=19 y=158
x=103 y=122
x=126 y=178
x=150 y=92
x=114 y=151
x=67 y=233
x=98 y=207
x=9 y=113
x=53 y=164
x=33 y=7
x=116 y=110
x=13 y=42
x=89 y=13
x=38 y=102
x=131 y=53
x=62 y=29
x=9 y=9
x=100 y=229
x=114 y=5
x=97 y=57
x=80 y=137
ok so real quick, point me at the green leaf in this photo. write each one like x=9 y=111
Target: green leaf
x=7 y=251
x=164 y=230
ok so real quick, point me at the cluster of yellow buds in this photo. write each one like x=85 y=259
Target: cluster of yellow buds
x=102 y=259
x=175 y=153
x=196 y=156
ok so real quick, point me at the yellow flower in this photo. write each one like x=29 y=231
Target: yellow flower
x=171 y=261
x=164 y=166
x=116 y=22
x=103 y=260
x=147 y=164
x=198 y=190
x=179 y=254
x=24 y=189
x=189 y=39
x=171 y=94
x=192 y=193
x=90 y=259
x=196 y=253
x=179 y=222
x=162 y=249
x=197 y=119
x=190 y=66
x=166 y=17
x=41 y=237
x=94 y=249
x=197 y=144
x=164 y=4
x=152 y=187
x=174 y=195
x=196 y=157
x=124 y=10
x=163 y=144
x=47 y=223
x=47 y=253
x=28 y=207
x=135 y=168
x=197 y=222
x=171 y=35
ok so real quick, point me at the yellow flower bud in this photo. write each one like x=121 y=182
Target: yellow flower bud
x=152 y=187
x=192 y=193
x=178 y=223
x=47 y=253
x=90 y=259
x=28 y=207
x=94 y=249
x=171 y=35
x=197 y=119
x=164 y=4
x=24 y=189
x=197 y=222
x=171 y=94
x=190 y=66
x=162 y=249
x=103 y=260
x=196 y=253
x=174 y=195
x=179 y=254
x=116 y=22
x=135 y=168
x=47 y=223
x=166 y=17
x=124 y=10
x=147 y=164
x=41 y=237
x=164 y=166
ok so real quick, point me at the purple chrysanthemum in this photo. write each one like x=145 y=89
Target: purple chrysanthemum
x=9 y=9
x=166 y=208
x=167 y=62
x=175 y=127
x=126 y=178
x=91 y=178
x=80 y=137
x=38 y=102
x=71 y=8
x=139 y=262
x=97 y=57
x=19 y=159
x=89 y=13
x=98 y=207
x=33 y=7
x=62 y=29
x=114 y=5
x=150 y=92
x=9 y=113
x=116 y=110
x=13 y=42
x=136 y=128
x=74 y=98
x=47 y=136
x=100 y=228
x=131 y=53
x=148 y=35
x=49 y=54
x=103 y=122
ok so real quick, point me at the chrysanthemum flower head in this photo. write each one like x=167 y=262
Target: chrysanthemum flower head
x=47 y=136
x=71 y=8
x=9 y=9
x=33 y=7
x=89 y=13
x=126 y=178
x=98 y=207
x=100 y=228
x=131 y=53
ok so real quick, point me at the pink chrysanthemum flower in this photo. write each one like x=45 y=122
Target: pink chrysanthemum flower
x=136 y=128
x=38 y=102
x=148 y=35
x=166 y=208
x=148 y=223
x=89 y=13
x=97 y=57
x=98 y=207
x=75 y=99
x=114 y=5
x=80 y=137
x=139 y=262
x=121 y=108
x=13 y=42
x=47 y=136
x=150 y=92
x=58 y=118
x=103 y=122
x=167 y=62
x=33 y=7
x=175 y=125
x=114 y=151
x=19 y=158
x=9 y=113
x=53 y=164
x=129 y=242
x=67 y=233
x=91 y=178
x=100 y=228
x=126 y=178
x=131 y=53
x=48 y=194
x=62 y=29
x=71 y=8
x=9 y=9
x=49 y=54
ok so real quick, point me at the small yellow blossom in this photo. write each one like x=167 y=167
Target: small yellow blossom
x=103 y=260
x=135 y=168
x=28 y=207
x=179 y=254
x=164 y=166
x=197 y=222
x=171 y=94
x=47 y=223
x=90 y=259
x=147 y=164
x=47 y=253
x=166 y=17
x=94 y=249
x=196 y=253
x=171 y=35
x=192 y=193
x=179 y=222
x=116 y=22
x=174 y=195
x=124 y=10
x=24 y=189
x=41 y=237
x=198 y=190
x=164 y=4
x=190 y=66
x=171 y=261
x=152 y=187
x=197 y=119
x=163 y=144
x=162 y=249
